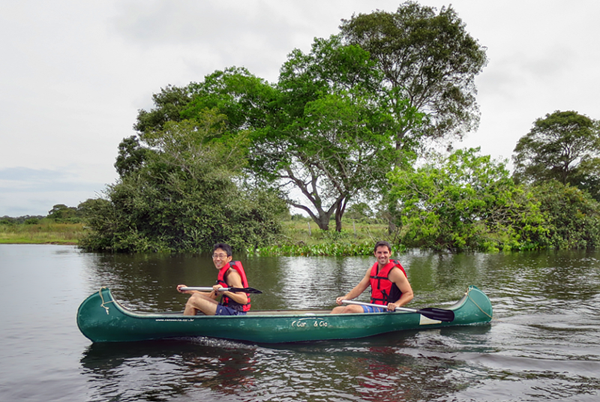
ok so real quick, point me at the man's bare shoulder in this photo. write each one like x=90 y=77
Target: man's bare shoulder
x=396 y=273
x=232 y=275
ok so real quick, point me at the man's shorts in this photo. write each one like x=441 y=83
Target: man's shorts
x=224 y=310
x=371 y=309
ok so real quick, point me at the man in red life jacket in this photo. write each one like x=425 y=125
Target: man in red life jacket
x=388 y=281
x=231 y=275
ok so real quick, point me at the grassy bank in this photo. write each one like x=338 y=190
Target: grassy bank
x=300 y=237
x=46 y=231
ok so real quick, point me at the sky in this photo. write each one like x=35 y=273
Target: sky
x=74 y=74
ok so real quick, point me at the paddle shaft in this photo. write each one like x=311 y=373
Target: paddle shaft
x=432 y=313
x=210 y=289
x=410 y=310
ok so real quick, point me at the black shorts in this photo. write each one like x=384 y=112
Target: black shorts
x=224 y=310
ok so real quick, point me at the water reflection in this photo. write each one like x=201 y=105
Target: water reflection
x=161 y=370
x=393 y=367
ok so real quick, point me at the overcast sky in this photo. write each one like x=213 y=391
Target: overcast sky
x=74 y=73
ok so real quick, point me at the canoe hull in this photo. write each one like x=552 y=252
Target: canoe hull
x=102 y=319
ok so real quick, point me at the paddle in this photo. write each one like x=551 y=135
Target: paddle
x=206 y=289
x=437 y=314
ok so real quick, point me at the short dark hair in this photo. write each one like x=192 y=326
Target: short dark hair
x=223 y=246
x=382 y=243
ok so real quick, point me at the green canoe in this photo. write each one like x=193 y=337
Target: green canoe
x=103 y=319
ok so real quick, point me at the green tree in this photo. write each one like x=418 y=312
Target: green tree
x=429 y=63
x=89 y=208
x=572 y=215
x=327 y=135
x=63 y=213
x=244 y=99
x=188 y=195
x=466 y=202
x=320 y=135
x=131 y=156
x=339 y=116
x=168 y=105
x=427 y=59
x=562 y=146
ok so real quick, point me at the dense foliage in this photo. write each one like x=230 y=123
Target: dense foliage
x=466 y=202
x=429 y=63
x=330 y=136
x=185 y=196
x=572 y=216
x=323 y=249
x=327 y=133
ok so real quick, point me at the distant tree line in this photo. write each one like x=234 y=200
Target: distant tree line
x=20 y=220
x=59 y=213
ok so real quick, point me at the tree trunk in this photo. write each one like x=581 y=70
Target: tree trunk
x=339 y=213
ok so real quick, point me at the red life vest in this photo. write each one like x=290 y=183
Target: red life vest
x=227 y=301
x=384 y=291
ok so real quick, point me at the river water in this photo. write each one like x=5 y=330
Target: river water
x=543 y=343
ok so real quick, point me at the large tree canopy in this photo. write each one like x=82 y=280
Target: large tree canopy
x=244 y=99
x=429 y=59
x=328 y=135
x=321 y=134
x=562 y=146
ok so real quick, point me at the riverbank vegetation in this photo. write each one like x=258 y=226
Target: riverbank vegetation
x=503 y=217
x=297 y=237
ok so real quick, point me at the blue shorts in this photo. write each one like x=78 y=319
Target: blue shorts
x=371 y=309
x=224 y=310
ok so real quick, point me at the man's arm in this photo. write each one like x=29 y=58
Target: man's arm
x=397 y=276
x=358 y=289
x=234 y=280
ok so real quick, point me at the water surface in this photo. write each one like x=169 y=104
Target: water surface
x=541 y=345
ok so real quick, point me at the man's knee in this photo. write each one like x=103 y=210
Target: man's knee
x=197 y=298
x=352 y=309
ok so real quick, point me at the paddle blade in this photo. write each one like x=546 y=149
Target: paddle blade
x=438 y=314
x=245 y=290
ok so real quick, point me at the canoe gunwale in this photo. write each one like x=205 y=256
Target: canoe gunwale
x=261 y=313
